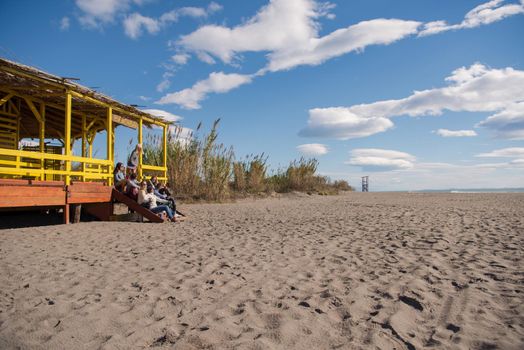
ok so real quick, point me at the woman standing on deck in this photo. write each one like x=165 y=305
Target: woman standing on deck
x=132 y=162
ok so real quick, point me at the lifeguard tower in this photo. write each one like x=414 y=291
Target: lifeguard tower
x=44 y=107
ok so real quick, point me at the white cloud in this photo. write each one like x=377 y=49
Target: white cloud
x=489 y=12
x=192 y=12
x=134 y=23
x=508 y=123
x=288 y=30
x=455 y=133
x=373 y=159
x=180 y=58
x=96 y=13
x=512 y=152
x=353 y=38
x=206 y=58
x=166 y=82
x=341 y=123
x=473 y=89
x=65 y=23
x=217 y=82
x=393 y=170
x=170 y=117
x=99 y=12
x=213 y=7
x=313 y=149
x=440 y=176
x=279 y=24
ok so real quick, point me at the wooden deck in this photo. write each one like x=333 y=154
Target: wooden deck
x=96 y=198
x=29 y=194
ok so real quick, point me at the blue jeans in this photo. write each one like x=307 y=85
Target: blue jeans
x=161 y=208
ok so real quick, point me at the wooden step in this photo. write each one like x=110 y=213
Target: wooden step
x=131 y=204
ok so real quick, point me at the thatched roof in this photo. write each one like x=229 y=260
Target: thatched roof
x=40 y=86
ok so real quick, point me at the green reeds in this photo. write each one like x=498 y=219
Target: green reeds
x=201 y=168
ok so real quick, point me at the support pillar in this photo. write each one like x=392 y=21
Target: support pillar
x=109 y=128
x=67 y=139
x=41 y=123
x=84 y=139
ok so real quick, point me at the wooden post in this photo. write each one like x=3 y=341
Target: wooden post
x=67 y=138
x=42 y=138
x=109 y=128
x=17 y=141
x=78 y=211
x=84 y=141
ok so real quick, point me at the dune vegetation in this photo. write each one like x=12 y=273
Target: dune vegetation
x=200 y=167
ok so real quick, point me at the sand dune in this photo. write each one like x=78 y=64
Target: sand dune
x=357 y=271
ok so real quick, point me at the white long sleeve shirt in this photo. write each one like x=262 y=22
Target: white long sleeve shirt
x=144 y=197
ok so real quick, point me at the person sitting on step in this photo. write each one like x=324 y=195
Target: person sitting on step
x=162 y=198
x=132 y=186
x=119 y=177
x=147 y=199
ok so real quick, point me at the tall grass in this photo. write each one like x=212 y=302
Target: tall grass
x=249 y=175
x=201 y=168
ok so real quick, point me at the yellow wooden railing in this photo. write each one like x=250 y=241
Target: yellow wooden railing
x=15 y=163
x=161 y=171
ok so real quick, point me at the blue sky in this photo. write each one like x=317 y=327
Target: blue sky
x=416 y=94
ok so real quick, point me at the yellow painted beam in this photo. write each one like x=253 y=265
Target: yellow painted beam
x=33 y=109
x=153 y=167
x=83 y=153
x=109 y=130
x=91 y=141
x=51 y=156
x=12 y=107
x=6 y=98
x=93 y=123
x=37 y=172
x=119 y=110
x=42 y=136
x=54 y=105
x=87 y=98
x=17 y=140
x=67 y=140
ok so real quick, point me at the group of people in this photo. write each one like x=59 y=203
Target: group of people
x=150 y=194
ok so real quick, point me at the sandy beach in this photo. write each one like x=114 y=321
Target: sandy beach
x=355 y=271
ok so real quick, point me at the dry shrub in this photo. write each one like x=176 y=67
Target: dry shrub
x=201 y=168
x=301 y=174
x=256 y=174
x=342 y=185
x=239 y=177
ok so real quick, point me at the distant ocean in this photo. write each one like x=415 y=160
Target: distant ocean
x=475 y=190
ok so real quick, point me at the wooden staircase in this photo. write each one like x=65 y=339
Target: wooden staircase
x=131 y=204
